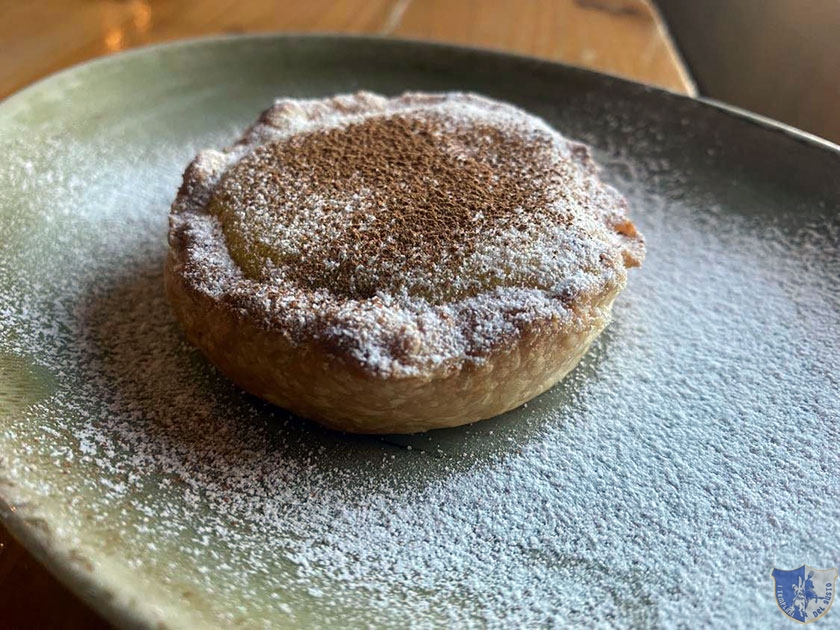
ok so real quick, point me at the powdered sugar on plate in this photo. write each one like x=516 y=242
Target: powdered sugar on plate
x=692 y=450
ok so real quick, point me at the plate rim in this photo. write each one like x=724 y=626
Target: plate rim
x=355 y=38
x=36 y=535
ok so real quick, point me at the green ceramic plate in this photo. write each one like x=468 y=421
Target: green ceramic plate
x=691 y=452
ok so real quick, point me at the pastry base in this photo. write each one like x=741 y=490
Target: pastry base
x=312 y=382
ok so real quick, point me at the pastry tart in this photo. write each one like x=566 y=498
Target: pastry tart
x=393 y=265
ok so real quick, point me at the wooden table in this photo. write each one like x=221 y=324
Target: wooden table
x=622 y=37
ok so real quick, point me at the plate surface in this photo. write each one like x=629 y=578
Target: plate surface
x=692 y=451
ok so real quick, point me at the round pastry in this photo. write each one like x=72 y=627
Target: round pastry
x=393 y=265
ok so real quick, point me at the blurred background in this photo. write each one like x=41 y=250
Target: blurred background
x=780 y=58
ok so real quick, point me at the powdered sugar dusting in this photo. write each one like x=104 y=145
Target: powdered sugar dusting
x=449 y=220
x=692 y=450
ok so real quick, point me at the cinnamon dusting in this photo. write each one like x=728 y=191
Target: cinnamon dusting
x=409 y=194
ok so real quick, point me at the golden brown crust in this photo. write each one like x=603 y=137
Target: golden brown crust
x=335 y=391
